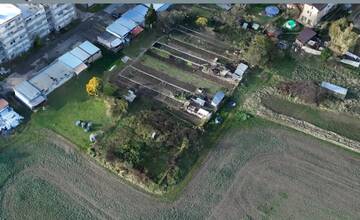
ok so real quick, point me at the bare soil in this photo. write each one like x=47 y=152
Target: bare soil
x=194 y=71
x=255 y=173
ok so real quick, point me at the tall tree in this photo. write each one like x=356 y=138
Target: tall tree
x=151 y=16
x=342 y=36
x=258 y=52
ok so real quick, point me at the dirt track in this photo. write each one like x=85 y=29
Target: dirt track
x=257 y=172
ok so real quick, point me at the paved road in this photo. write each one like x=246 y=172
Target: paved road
x=89 y=26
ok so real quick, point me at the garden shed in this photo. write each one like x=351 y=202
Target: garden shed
x=304 y=36
x=337 y=90
x=217 y=99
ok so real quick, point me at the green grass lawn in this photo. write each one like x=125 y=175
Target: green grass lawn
x=339 y=123
x=141 y=43
x=70 y=102
x=180 y=74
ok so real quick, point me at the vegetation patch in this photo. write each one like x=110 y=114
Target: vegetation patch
x=180 y=74
x=342 y=124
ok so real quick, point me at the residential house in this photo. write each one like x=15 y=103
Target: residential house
x=313 y=13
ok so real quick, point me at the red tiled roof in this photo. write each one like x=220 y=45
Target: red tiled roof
x=136 y=31
x=3 y=104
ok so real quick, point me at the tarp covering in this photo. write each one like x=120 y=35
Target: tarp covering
x=272 y=11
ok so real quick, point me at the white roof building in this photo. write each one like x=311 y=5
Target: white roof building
x=89 y=48
x=80 y=54
x=51 y=77
x=73 y=62
x=35 y=90
x=29 y=94
x=240 y=70
x=334 y=88
x=8 y=12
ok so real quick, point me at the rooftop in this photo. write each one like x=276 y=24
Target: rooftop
x=134 y=16
x=218 y=97
x=3 y=104
x=319 y=6
x=118 y=30
x=141 y=9
x=306 y=35
x=28 y=10
x=334 y=88
x=79 y=53
x=89 y=48
x=8 y=12
x=29 y=91
x=70 y=60
x=51 y=77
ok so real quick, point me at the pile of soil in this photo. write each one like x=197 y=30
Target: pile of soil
x=308 y=91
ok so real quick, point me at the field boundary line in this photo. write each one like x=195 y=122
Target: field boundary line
x=191 y=55
x=181 y=58
x=191 y=30
x=147 y=87
x=208 y=51
x=164 y=81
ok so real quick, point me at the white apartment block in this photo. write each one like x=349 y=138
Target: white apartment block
x=20 y=24
x=35 y=20
x=60 y=15
x=14 y=38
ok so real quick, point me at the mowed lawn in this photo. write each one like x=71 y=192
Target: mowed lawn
x=180 y=74
x=70 y=102
x=342 y=124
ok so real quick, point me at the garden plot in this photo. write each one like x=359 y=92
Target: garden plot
x=193 y=50
x=213 y=46
x=205 y=37
x=152 y=82
x=187 y=66
x=164 y=68
x=176 y=104
x=170 y=50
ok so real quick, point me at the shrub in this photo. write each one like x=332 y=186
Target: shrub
x=201 y=21
x=325 y=54
x=94 y=86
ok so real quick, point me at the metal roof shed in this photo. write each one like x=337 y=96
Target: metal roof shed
x=118 y=30
x=159 y=6
x=52 y=77
x=134 y=16
x=73 y=62
x=241 y=69
x=217 y=99
x=141 y=9
x=29 y=94
x=129 y=24
x=89 y=48
x=334 y=88
x=79 y=53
